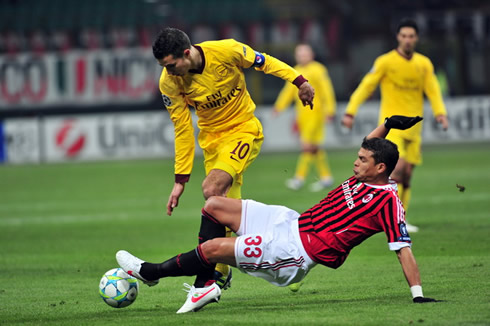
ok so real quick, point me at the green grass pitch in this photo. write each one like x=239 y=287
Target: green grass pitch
x=61 y=225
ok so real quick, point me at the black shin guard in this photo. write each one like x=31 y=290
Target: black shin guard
x=210 y=228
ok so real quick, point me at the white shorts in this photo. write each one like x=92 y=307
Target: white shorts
x=268 y=244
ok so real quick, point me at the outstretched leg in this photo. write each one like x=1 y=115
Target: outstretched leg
x=200 y=261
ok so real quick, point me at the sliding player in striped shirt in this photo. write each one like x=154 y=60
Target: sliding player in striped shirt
x=281 y=246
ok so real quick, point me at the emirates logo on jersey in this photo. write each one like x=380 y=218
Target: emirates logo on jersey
x=366 y=199
x=348 y=195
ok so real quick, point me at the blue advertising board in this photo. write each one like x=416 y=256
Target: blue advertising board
x=3 y=150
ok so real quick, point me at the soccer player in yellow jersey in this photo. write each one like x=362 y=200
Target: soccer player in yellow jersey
x=404 y=76
x=209 y=77
x=310 y=122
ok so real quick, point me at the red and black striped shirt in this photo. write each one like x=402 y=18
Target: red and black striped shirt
x=350 y=214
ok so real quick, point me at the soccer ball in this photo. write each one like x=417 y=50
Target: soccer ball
x=117 y=288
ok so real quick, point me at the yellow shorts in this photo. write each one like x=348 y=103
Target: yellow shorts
x=410 y=149
x=232 y=150
x=311 y=131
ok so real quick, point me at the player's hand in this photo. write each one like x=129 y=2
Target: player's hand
x=424 y=300
x=173 y=199
x=348 y=121
x=401 y=122
x=442 y=120
x=306 y=94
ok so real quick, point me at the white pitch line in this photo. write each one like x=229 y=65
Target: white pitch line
x=78 y=218
x=12 y=207
x=138 y=216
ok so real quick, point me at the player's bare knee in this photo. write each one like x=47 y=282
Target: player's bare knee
x=212 y=249
x=209 y=190
x=212 y=204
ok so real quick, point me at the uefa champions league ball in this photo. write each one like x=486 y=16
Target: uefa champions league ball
x=118 y=289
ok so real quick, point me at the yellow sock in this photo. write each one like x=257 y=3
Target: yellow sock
x=223 y=269
x=405 y=198
x=303 y=165
x=234 y=192
x=322 y=166
x=400 y=191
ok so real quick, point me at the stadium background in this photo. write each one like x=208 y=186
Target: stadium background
x=75 y=58
x=78 y=82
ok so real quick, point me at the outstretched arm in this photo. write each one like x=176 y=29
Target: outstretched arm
x=412 y=275
x=364 y=90
x=394 y=122
x=409 y=266
x=379 y=132
x=246 y=57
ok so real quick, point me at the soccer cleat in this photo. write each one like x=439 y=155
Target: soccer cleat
x=295 y=286
x=199 y=297
x=294 y=183
x=412 y=228
x=132 y=265
x=321 y=184
x=223 y=282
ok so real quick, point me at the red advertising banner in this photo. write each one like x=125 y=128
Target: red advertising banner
x=78 y=78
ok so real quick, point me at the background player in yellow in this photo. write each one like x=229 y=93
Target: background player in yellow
x=311 y=123
x=209 y=77
x=404 y=76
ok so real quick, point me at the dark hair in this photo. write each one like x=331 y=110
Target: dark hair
x=384 y=151
x=407 y=23
x=170 y=41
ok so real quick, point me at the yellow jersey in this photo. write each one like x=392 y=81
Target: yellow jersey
x=403 y=82
x=218 y=93
x=324 y=102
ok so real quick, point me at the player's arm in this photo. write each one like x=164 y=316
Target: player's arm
x=327 y=95
x=409 y=266
x=394 y=122
x=285 y=98
x=184 y=142
x=275 y=67
x=363 y=91
x=412 y=275
x=392 y=220
x=246 y=57
x=433 y=92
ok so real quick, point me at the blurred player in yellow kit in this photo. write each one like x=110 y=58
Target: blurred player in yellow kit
x=209 y=77
x=310 y=123
x=404 y=76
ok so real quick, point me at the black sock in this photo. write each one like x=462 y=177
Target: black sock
x=192 y=262
x=186 y=264
x=210 y=228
